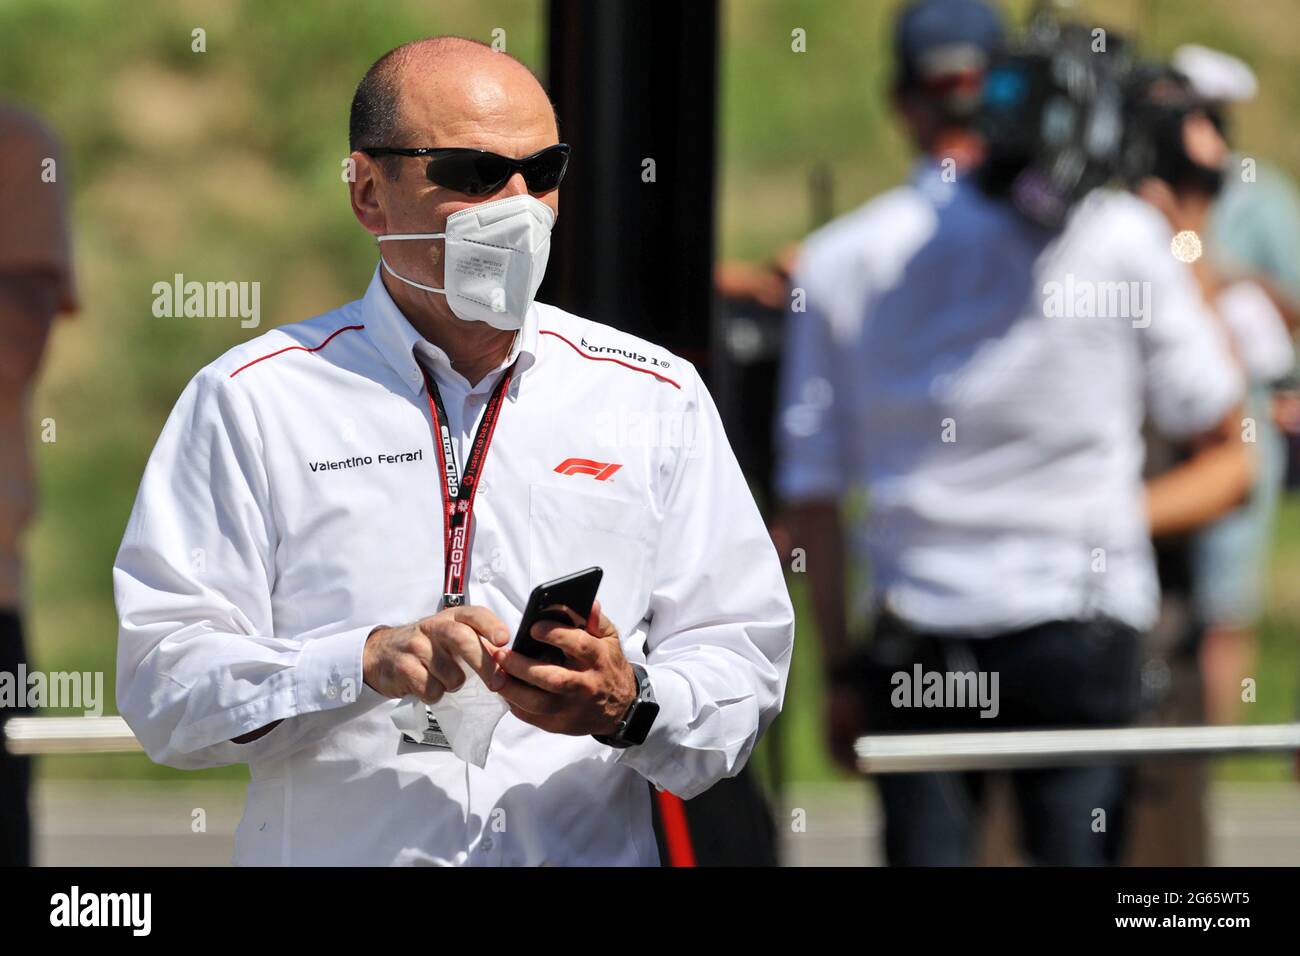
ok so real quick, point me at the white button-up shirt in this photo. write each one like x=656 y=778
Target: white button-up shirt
x=987 y=382
x=292 y=505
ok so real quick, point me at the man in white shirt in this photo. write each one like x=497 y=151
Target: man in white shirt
x=355 y=508
x=990 y=399
x=941 y=50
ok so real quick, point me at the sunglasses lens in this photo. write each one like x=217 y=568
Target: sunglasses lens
x=472 y=173
x=544 y=172
x=477 y=174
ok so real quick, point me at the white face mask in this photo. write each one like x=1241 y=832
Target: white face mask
x=495 y=258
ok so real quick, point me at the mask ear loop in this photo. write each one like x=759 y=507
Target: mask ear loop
x=409 y=235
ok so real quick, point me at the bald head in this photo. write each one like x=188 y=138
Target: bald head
x=444 y=92
x=429 y=92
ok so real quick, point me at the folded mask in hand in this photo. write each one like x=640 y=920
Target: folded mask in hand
x=467 y=717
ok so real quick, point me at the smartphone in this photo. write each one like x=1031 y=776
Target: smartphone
x=576 y=591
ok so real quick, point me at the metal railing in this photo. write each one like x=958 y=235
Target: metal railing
x=69 y=735
x=894 y=753
x=1012 y=749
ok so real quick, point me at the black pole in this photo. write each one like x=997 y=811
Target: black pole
x=635 y=85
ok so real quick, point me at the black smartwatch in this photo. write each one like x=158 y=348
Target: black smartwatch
x=640 y=717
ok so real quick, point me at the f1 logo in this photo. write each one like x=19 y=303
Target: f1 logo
x=585 y=466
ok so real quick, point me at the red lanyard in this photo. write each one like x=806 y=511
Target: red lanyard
x=458 y=489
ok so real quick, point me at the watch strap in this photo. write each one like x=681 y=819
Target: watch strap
x=643 y=706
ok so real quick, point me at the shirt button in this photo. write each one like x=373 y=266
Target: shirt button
x=485 y=575
x=331 y=691
x=487 y=843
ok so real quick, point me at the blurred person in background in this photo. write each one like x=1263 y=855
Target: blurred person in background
x=1176 y=160
x=35 y=286
x=1251 y=233
x=941 y=49
x=992 y=409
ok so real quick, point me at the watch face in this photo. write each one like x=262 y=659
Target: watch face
x=639 y=724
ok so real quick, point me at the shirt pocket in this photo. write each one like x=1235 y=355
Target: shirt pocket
x=569 y=531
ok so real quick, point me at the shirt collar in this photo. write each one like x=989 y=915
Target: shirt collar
x=932 y=180
x=397 y=341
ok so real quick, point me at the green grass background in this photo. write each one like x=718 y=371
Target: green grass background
x=226 y=164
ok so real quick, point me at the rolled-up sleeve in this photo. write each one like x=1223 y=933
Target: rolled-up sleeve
x=721 y=627
x=198 y=660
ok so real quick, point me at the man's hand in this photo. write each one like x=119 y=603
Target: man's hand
x=1214 y=480
x=588 y=694
x=424 y=658
x=845 y=722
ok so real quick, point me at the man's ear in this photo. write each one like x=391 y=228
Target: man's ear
x=365 y=187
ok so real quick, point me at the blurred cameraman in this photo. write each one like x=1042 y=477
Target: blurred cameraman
x=990 y=400
x=941 y=52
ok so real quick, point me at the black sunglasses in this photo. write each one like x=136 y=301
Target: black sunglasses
x=477 y=172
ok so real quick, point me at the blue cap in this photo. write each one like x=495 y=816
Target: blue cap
x=937 y=37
